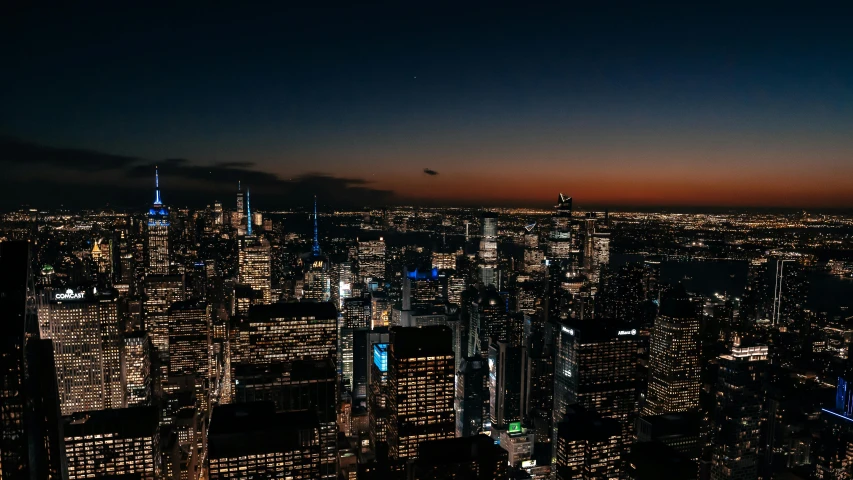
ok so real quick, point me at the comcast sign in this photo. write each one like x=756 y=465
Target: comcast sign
x=69 y=295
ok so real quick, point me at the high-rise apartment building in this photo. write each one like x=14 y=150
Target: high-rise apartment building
x=254 y=265
x=84 y=327
x=421 y=388
x=674 y=358
x=737 y=418
x=113 y=443
x=595 y=366
x=158 y=258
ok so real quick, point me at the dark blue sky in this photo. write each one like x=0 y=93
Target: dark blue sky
x=640 y=105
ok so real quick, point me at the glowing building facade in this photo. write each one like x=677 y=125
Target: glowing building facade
x=84 y=327
x=158 y=251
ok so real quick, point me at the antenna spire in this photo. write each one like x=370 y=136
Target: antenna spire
x=157 y=186
x=248 y=213
x=316 y=247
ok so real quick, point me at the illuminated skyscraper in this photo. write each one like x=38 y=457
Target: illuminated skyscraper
x=254 y=265
x=560 y=242
x=137 y=369
x=158 y=250
x=736 y=435
x=596 y=367
x=377 y=395
x=114 y=443
x=84 y=327
x=421 y=385
x=239 y=213
x=588 y=446
x=371 y=259
x=674 y=357
x=318 y=279
x=190 y=345
x=161 y=291
x=489 y=250
x=286 y=331
x=508 y=384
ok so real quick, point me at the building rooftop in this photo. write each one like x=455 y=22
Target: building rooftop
x=131 y=422
x=318 y=310
x=250 y=428
x=419 y=341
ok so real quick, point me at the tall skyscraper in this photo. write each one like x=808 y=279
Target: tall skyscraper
x=158 y=250
x=240 y=211
x=596 y=367
x=377 y=395
x=371 y=259
x=471 y=458
x=560 y=241
x=14 y=263
x=190 y=346
x=161 y=291
x=420 y=404
x=489 y=250
x=254 y=265
x=674 y=357
x=472 y=397
x=588 y=446
x=508 y=384
x=318 y=278
x=736 y=435
x=84 y=327
x=137 y=368
x=114 y=443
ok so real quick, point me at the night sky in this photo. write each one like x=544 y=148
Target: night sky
x=618 y=106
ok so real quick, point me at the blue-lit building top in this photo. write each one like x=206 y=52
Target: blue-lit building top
x=426 y=274
x=158 y=214
x=380 y=356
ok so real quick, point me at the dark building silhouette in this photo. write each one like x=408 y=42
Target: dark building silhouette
x=469 y=458
x=654 y=461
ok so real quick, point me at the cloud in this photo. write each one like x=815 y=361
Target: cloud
x=98 y=178
x=22 y=153
x=429 y=171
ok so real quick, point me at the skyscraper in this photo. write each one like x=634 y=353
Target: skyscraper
x=371 y=259
x=421 y=386
x=559 y=243
x=377 y=395
x=239 y=212
x=471 y=458
x=674 y=357
x=472 y=397
x=114 y=443
x=158 y=250
x=161 y=291
x=596 y=367
x=489 y=250
x=736 y=435
x=14 y=263
x=254 y=265
x=286 y=331
x=318 y=278
x=508 y=384
x=137 y=368
x=588 y=446
x=84 y=327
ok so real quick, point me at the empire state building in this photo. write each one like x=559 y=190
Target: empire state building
x=157 y=258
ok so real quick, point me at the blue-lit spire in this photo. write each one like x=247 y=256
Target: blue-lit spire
x=157 y=187
x=316 y=247
x=248 y=213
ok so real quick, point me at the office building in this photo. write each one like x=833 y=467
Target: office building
x=113 y=443
x=282 y=332
x=737 y=418
x=371 y=259
x=380 y=310
x=473 y=458
x=655 y=460
x=42 y=415
x=680 y=431
x=137 y=368
x=444 y=260
x=421 y=287
x=421 y=385
x=251 y=440
x=595 y=366
x=472 y=397
x=488 y=253
x=362 y=359
x=14 y=452
x=254 y=264
x=674 y=357
x=559 y=243
x=508 y=384
x=84 y=327
x=161 y=291
x=588 y=446
x=377 y=395
x=518 y=442
x=158 y=254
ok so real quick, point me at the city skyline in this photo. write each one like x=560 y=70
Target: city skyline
x=398 y=106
